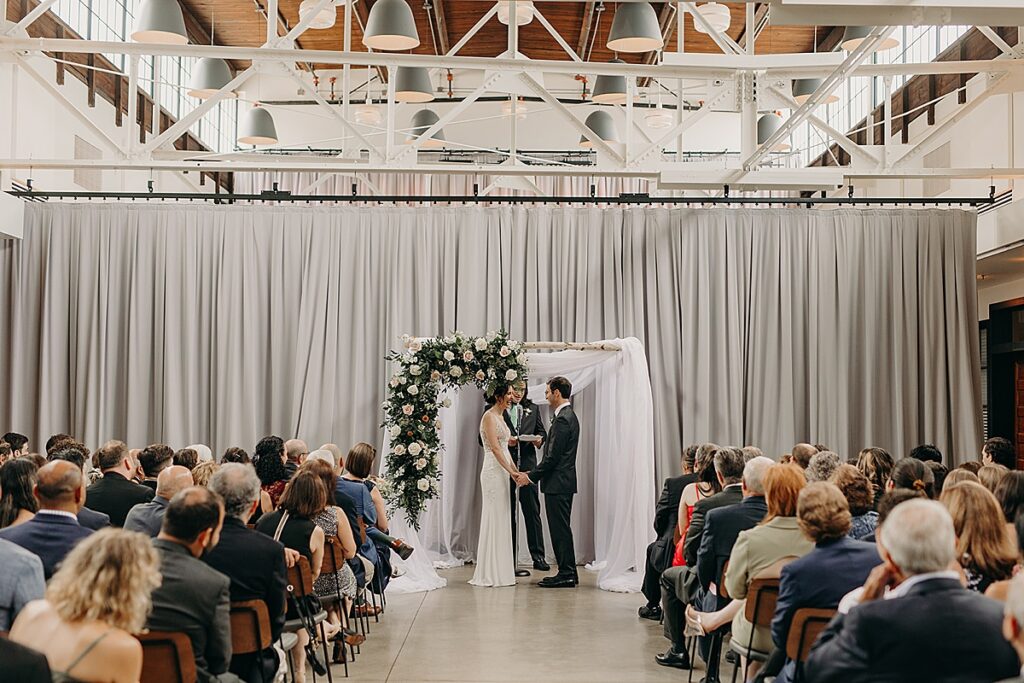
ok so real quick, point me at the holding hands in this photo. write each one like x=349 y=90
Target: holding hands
x=521 y=479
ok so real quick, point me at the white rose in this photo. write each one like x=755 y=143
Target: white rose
x=447 y=403
x=435 y=376
x=402 y=380
x=399 y=449
x=505 y=352
x=456 y=371
x=415 y=370
x=480 y=375
x=437 y=423
x=415 y=448
x=511 y=374
x=449 y=356
x=492 y=335
x=395 y=430
x=406 y=339
x=467 y=356
x=421 y=463
x=393 y=383
x=413 y=390
x=521 y=359
x=407 y=409
x=423 y=485
x=481 y=344
x=416 y=347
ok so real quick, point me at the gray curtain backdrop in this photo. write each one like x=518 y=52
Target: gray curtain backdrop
x=189 y=323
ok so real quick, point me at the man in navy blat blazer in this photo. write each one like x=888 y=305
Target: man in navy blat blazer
x=54 y=531
x=835 y=567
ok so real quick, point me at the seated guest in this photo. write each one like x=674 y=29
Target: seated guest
x=889 y=500
x=996 y=451
x=116 y=493
x=821 y=466
x=926 y=452
x=6 y=452
x=77 y=454
x=659 y=553
x=55 y=440
x=940 y=472
x=17 y=442
x=54 y=531
x=186 y=457
x=21 y=581
x=927 y=612
x=991 y=475
x=236 y=455
x=678 y=586
x=295 y=452
x=254 y=562
x=194 y=598
x=958 y=475
x=269 y=460
x=1010 y=494
x=972 y=466
x=876 y=464
x=911 y=473
x=859 y=498
x=202 y=472
x=154 y=459
x=94 y=604
x=1013 y=622
x=983 y=547
x=17 y=503
x=147 y=518
x=802 y=454
x=820 y=579
x=706 y=484
x=203 y=452
x=751 y=452
x=24 y=664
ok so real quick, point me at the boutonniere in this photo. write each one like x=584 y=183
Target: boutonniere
x=526 y=411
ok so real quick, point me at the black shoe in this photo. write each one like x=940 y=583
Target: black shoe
x=557 y=581
x=541 y=566
x=403 y=550
x=730 y=657
x=711 y=679
x=649 y=612
x=677 y=660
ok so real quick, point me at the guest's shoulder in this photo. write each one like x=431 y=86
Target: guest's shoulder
x=15 y=558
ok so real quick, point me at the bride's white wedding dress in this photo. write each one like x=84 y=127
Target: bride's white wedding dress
x=494 y=563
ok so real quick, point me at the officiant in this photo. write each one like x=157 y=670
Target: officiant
x=524 y=419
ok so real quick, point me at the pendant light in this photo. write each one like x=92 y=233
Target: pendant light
x=767 y=124
x=160 y=21
x=325 y=18
x=421 y=121
x=853 y=36
x=602 y=125
x=635 y=28
x=524 y=11
x=412 y=84
x=803 y=88
x=716 y=14
x=391 y=26
x=610 y=89
x=257 y=127
x=209 y=75
x=367 y=113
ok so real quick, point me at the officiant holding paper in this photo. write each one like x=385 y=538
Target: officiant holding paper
x=528 y=434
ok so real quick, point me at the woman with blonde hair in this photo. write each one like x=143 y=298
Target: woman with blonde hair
x=98 y=598
x=203 y=472
x=983 y=547
x=875 y=464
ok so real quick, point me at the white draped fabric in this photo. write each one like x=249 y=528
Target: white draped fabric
x=613 y=510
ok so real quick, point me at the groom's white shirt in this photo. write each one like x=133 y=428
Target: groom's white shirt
x=559 y=408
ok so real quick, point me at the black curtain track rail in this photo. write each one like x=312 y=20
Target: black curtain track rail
x=270 y=196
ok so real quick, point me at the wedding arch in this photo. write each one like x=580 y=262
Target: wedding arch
x=616 y=459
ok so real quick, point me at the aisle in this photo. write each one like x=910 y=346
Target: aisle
x=525 y=633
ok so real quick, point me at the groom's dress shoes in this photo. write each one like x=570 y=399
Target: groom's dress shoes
x=557 y=581
x=541 y=566
x=678 y=660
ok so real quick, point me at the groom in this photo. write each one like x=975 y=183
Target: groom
x=556 y=475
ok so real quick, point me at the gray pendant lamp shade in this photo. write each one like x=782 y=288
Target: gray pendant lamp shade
x=160 y=21
x=412 y=84
x=421 y=121
x=853 y=36
x=635 y=28
x=209 y=75
x=391 y=26
x=803 y=88
x=257 y=128
x=610 y=89
x=603 y=126
x=767 y=124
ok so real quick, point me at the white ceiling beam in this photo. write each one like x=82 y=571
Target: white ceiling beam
x=841 y=139
x=564 y=112
x=682 y=127
x=869 y=13
x=998 y=41
x=473 y=31
x=451 y=114
x=375 y=153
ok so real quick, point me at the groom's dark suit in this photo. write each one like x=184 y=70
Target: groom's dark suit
x=556 y=475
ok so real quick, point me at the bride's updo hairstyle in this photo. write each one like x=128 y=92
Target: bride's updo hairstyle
x=497 y=391
x=911 y=473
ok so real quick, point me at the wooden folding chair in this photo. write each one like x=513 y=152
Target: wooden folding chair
x=300 y=584
x=250 y=629
x=334 y=560
x=807 y=625
x=167 y=657
x=762 y=596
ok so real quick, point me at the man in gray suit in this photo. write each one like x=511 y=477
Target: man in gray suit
x=147 y=518
x=194 y=598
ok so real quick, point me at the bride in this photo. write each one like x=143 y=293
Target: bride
x=495 y=565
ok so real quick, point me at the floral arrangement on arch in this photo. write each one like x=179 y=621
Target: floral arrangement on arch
x=423 y=371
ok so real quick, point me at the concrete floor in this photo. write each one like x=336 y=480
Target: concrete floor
x=520 y=634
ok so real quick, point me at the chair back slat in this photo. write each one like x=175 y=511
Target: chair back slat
x=722 y=592
x=167 y=658
x=362 y=530
x=300 y=577
x=805 y=628
x=762 y=595
x=250 y=627
x=334 y=556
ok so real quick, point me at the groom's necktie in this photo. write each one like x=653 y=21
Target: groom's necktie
x=513 y=414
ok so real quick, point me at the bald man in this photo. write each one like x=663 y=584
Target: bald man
x=296 y=451
x=54 y=531
x=146 y=518
x=802 y=454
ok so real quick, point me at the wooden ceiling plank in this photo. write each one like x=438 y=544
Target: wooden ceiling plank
x=588 y=20
x=442 y=26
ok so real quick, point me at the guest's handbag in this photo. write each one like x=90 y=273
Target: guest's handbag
x=306 y=606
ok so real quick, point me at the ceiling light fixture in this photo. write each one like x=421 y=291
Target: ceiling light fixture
x=160 y=21
x=635 y=28
x=803 y=88
x=208 y=77
x=853 y=36
x=325 y=18
x=391 y=26
x=524 y=11
x=716 y=14
x=257 y=127
x=421 y=122
x=602 y=125
x=610 y=89
x=767 y=124
x=412 y=84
